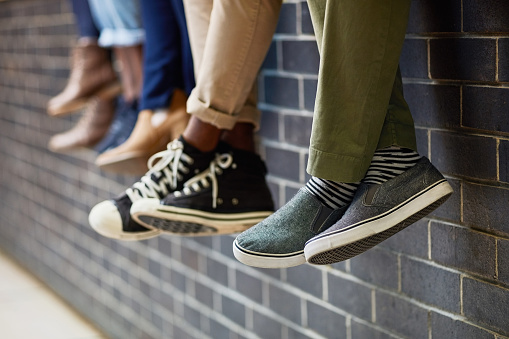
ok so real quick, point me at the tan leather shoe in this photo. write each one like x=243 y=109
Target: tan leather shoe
x=89 y=130
x=148 y=137
x=91 y=75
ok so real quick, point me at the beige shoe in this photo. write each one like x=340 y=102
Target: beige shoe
x=90 y=129
x=148 y=137
x=91 y=75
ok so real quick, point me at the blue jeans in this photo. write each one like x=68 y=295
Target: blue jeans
x=167 y=59
x=84 y=21
x=119 y=22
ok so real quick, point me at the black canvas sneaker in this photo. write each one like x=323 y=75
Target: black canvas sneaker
x=228 y=197
x=169 y=170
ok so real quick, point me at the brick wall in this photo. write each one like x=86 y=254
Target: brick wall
x=445 y=277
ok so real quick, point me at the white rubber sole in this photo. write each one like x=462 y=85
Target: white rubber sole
x=105 y=220
x=409 y=211
x=264 y=260
x=175 y=220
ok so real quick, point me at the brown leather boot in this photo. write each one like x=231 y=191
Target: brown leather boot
x=131 y=70
x=148 y=137
x=89 y=130
x=91 y=75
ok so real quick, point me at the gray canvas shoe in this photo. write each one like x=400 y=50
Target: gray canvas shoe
x=279 y=240
x=377 y=212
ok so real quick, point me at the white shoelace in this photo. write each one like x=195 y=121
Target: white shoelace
x=196 y=183
x=168 y=163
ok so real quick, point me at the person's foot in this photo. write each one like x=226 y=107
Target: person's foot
x=228 y=197
x=112 y=219
x=279 y=240
x=123 y=123
x=152 y=132
x=91 y=75
x=378 y=211
x=90 y=129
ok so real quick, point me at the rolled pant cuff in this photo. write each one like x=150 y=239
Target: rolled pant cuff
x=220 y=119
x=337 y=167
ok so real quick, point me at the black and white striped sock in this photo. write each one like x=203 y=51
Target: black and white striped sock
x=331 y=194
x=390 y=162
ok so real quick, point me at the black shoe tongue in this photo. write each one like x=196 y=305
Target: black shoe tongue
x=195 y=153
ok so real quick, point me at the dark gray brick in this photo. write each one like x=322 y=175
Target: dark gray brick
x=485 y=207
x=307 y=24
x=269 y=125
x=435 y=16
x=286 y=304
x=421 y=135
x=192 y=316
x=181 y=332
x=282 y=163
x=226 y=242
x=400 y=316
x=274 y=191
x=189 y=258
x=217 y=271
x=270 y=61
x=360 y=330
x=310 y=94
x=178 y=280
x=204 y=294
x=350 y=296
x=445 y=327
x=413 y=240
x=503 y=152
x=301 y=56
x=218 y=330
x=486 y=304
x=434 y=105
x=266 y=327
x=414 y=59
x=464 y=155
x=451 y=209
x=430 y=284
x=306 y=277
x=462 y=248
x=234 y=311
x=326 y=322
x=376 y=266
x=164 y=245
x=485 y=16
x=503 y=261
x=281 y=91
x=297 y=129
x=503 y=59
x=463 y=59
x=202 y=241
x=293 y=334
x=485 y=108
x=270 y=272
x=290 y=193
x=249 y=286
x=287 y=23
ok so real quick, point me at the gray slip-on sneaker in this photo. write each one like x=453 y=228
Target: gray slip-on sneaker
x=377 y=212
x=278 y=241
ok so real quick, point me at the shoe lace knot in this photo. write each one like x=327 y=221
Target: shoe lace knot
x=165 y=170
x=208 y=177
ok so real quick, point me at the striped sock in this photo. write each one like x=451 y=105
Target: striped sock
x=331 y=194
x=388 y=163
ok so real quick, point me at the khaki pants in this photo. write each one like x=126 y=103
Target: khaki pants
x=229 y=40
x=359 y=104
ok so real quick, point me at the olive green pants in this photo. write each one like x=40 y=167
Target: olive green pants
x=359 y=104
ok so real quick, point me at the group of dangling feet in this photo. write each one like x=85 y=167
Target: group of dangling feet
x=201 y=180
